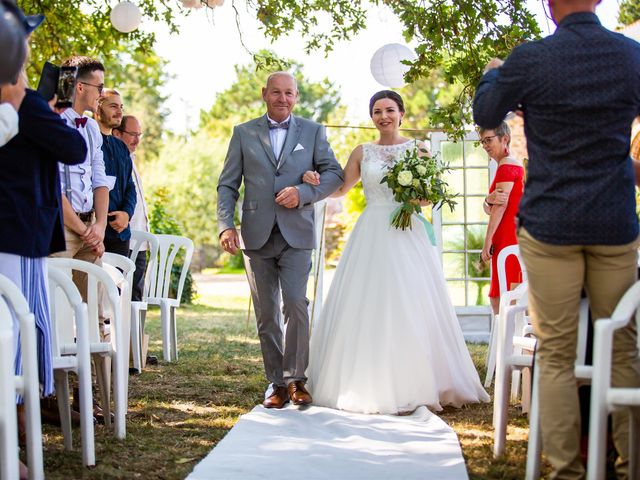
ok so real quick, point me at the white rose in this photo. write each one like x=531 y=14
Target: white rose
x=421 y=169
x=405 y=177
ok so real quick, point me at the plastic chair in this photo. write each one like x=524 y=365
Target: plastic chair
x=604 y=397
x=121 y=270
x=496 y=319
x=159 y=281
x=70 y=352
x=509 y=358
x=139 y=308
x=27 y=385
x=104 y=351
x=583 y=375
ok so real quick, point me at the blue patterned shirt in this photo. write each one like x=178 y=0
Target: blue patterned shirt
x=580 y=91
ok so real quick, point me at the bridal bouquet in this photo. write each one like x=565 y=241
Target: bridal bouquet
x=417 y=177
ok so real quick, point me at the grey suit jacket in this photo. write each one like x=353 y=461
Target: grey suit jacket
x=250 y=157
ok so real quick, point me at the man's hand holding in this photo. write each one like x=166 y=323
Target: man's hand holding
x=497 y=197
x=230 y=241
x=120 y=222
x=288 y=197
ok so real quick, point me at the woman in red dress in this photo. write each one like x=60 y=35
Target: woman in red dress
x=502 y=207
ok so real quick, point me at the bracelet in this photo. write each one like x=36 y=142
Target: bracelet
x=488 y=204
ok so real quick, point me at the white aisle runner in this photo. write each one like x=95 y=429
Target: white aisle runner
x=321 y=443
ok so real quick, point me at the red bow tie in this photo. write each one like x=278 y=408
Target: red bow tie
x=81 y=122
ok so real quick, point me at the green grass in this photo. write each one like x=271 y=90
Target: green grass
x=179 y=411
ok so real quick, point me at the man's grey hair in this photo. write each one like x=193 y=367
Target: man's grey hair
x=500 y=131
x=286 y=74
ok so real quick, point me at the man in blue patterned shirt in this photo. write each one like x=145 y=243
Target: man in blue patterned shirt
x=579 y=91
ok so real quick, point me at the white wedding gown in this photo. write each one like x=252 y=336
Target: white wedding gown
x=388 y=339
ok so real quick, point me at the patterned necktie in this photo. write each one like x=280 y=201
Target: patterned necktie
x=284 y=125
x=81 y=122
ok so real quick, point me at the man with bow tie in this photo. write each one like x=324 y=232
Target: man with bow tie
x=270 y=154
x=85 y=187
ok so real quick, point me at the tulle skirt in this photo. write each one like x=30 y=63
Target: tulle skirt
x=388 y=339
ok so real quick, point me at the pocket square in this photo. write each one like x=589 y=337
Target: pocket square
x=298 y=147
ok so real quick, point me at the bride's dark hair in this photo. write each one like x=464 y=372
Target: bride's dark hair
x=391 y=95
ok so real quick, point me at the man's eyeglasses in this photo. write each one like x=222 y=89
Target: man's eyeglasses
x=486 y=140
x=99 y=87
x=133 y=134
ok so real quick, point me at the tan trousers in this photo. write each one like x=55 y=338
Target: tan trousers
x=557 y=275
x=77 y=250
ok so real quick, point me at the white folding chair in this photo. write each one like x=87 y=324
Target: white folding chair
x=121 y=270
x=604 y=397
x=159 y=281
x=71 y=353
x=27 y=385
x=509 y=358
x=104 y=351
x=496 y=319
x=583 y=375
x=139 y=308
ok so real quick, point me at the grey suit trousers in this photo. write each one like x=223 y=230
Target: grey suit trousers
x=277 y=267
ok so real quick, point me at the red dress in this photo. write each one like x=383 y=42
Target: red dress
x=505 y=234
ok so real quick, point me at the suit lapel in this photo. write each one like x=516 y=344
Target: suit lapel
x=263 y=134
x=291 y=141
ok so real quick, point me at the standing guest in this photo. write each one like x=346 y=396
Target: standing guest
x=122 y=198
x=270 y=154
x=502 y=207
x=579 y=91
x=130 y=132
x=31 y=211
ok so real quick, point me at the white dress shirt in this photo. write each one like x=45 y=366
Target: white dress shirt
x=8 y=123
x=140 y=219
x=277 y=136
x=90 y=174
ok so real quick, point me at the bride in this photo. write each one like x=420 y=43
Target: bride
x=388 y=339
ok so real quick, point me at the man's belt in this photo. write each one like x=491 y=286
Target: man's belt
x=85 y=216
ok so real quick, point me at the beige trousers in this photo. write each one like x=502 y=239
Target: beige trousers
x=77 y=250
x=557 y=275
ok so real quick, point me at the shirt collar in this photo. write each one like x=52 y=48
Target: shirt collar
x=580 y=17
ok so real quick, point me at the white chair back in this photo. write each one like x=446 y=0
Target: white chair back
x=72 y=352
x=118 y=347
x=159 y=277
x=504 y=254
x=27 y=385
x=138 y=240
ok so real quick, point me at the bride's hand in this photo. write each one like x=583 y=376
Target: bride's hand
x=312 y=178
x=422 y=203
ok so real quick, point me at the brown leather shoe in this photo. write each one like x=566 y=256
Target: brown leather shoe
x=277 y=399
x=299 y=394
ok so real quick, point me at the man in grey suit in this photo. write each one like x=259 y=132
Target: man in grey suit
x=271 y=153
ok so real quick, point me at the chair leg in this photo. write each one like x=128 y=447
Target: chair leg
x=534 y=445
x=136 y=338
x=103 y=374
x=120 y=379
x=515 y=384
x=64 y=407
x=174 y=334
x=86 y=418
x=165 y=321
x=500 y=410
x=491 y=353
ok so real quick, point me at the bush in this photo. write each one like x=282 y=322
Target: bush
x=161 y=222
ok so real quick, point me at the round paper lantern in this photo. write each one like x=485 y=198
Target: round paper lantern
x=125 y=17
x=387 y=67
x=191 y=3
x=214 y=3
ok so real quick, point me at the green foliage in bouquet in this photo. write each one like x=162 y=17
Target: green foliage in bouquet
x=417 y=178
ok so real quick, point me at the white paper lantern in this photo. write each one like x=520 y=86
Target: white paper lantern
x=214 y=3
x=387 y=67
x=125 y=17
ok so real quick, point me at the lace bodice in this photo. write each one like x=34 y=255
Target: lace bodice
x=375 y=161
